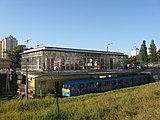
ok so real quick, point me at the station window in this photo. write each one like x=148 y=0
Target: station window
x=114 y=83
x=126 y=81
x=72 y=86
x=42 y=85
x=69 y=86
x=98 y=84
x=134 y=80
x=91 y=84
x=80 y=86
x=131 y=80
x=120 y=82
x=65 y=86
x=106 y=83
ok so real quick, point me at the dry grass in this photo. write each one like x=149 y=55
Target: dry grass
x=136 y=103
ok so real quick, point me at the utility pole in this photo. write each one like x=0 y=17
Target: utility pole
x=7 y=80
x=27 y=41
x=56 y=95
x=56 y=90
x=108 y=45
x=27 y=78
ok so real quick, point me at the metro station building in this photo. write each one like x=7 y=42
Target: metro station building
x=48 y=66
x=65 y=59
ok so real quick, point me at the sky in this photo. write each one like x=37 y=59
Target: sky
x=82 y=24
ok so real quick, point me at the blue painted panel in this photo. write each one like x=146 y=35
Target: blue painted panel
x=115 y=83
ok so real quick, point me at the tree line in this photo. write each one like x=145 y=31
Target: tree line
x=152 y=57
x=15 y=56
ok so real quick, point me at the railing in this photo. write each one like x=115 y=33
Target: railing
x=84 y=72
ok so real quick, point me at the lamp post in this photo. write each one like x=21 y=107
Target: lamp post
x=27 y=42
x=27 y=79
x=56 y=92
x=108 y=45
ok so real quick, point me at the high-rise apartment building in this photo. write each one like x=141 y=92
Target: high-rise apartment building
x=8 y=43
x=0 y=49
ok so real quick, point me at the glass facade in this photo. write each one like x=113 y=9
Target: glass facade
x=65 y=60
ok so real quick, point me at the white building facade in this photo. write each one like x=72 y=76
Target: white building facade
x=135 y=52
x=66 y=59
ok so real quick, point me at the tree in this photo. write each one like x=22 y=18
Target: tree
x=15 y=56
x=153 y=55
x=158 y=54
x=143 y=52
x=130 y=59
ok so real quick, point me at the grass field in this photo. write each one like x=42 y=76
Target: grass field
x=136 y=103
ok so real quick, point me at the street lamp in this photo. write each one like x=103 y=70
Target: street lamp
x=108 y=45
x=27 y=42
x=27 y=78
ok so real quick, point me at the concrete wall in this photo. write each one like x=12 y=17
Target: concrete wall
x=155 y=73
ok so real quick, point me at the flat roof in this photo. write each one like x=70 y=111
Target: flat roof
x=71 y=50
